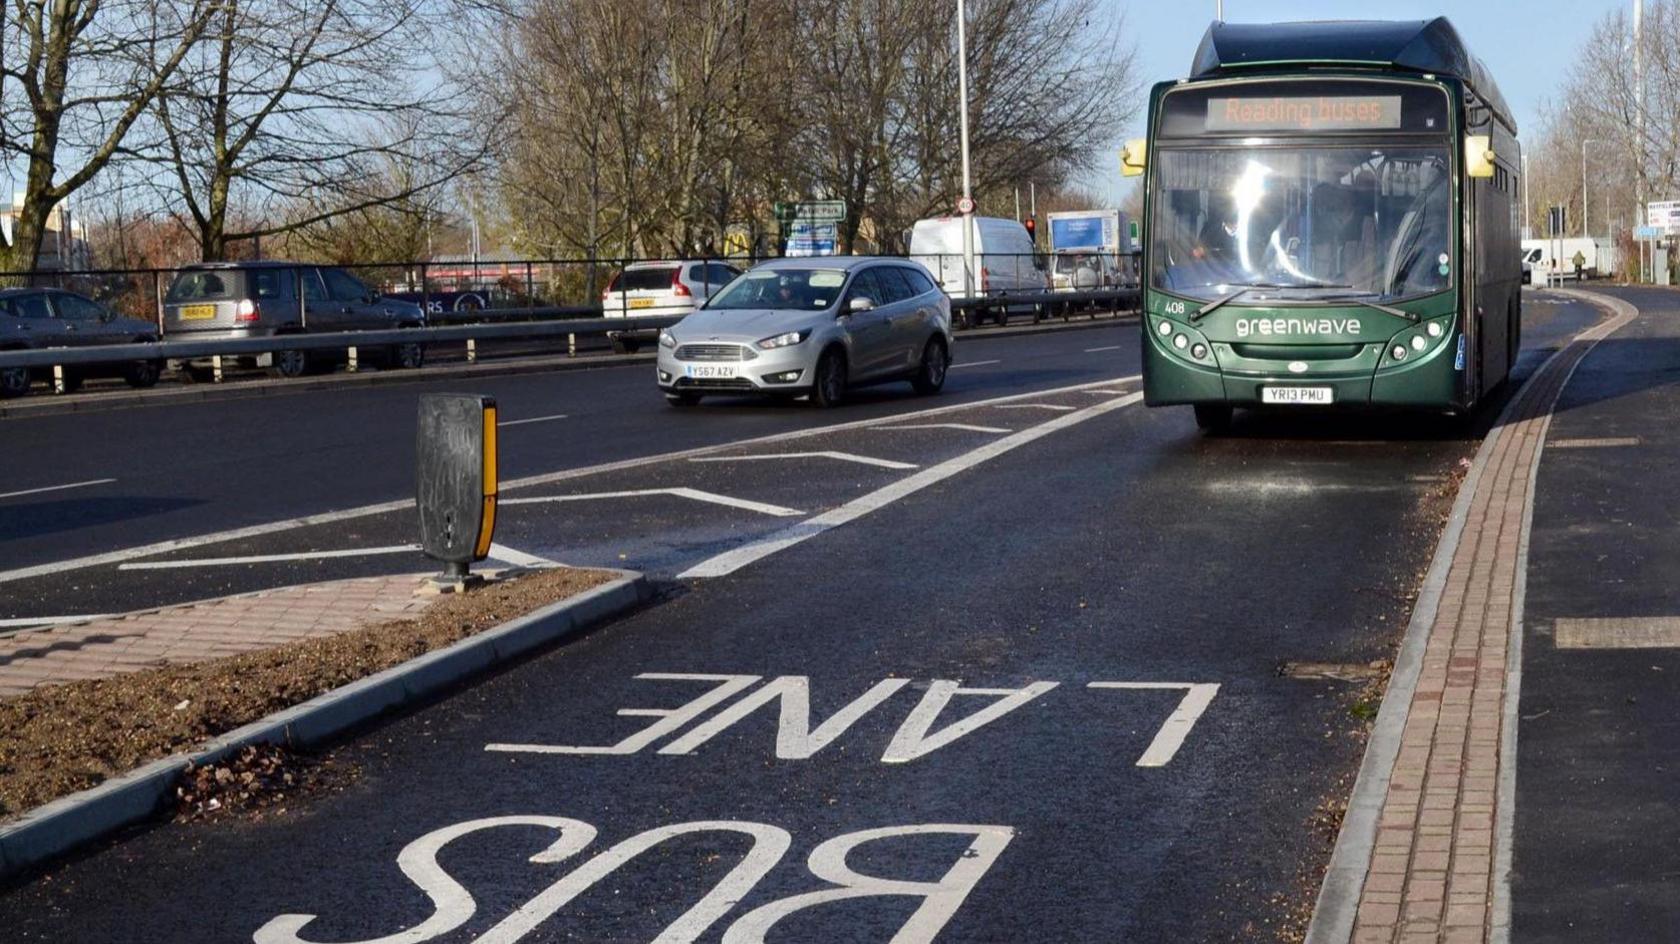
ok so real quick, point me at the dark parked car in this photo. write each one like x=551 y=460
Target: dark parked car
x=32 y=318
x=274 y=299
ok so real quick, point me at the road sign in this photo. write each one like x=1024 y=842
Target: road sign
x=1649 y=232
x=1665 y=215
x=812 y=211
x=965 y=205
x=811 y=239
x=1557 y=218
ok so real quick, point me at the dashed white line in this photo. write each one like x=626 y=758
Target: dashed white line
x=268 y=558
x=1111 y=347
x=731 y=561
x=1104 y=392
x=969 y=427
x=56 y=488
x=693 y=494
x=825 y=454
x=973 y=364
x=1057 y=407
x=534 y=419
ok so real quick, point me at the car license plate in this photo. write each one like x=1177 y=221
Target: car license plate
x=198 y=312
x=1315 y=396
x=709 y=371
x=641 y=303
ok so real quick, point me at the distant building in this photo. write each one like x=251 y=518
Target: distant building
x=64 y=244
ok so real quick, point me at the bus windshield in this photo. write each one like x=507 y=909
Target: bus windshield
x=1308 y=223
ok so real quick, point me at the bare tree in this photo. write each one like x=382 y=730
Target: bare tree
x=75 y=77
x=290 y=105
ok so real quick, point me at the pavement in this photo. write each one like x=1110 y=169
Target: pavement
x=1012 y=670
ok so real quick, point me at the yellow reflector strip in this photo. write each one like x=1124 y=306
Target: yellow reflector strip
x=487 y=523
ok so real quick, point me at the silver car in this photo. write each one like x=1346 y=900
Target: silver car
x=816 y=327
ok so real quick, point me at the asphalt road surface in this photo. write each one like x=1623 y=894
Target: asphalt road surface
x=1016 y=675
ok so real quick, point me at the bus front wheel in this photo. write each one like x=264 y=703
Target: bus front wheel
x=1213 y=418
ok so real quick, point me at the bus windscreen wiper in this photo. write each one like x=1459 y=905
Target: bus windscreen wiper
x=1385 y=309
x=1248 y=286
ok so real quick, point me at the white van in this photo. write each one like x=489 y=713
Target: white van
x=1004 y=255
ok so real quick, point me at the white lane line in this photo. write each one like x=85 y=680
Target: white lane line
x=56 y=488
x=825 y=454
x=1640 y=632
x=51 y=620
x=532 y=481
x=1111 y=347
x=268 y=558
x=972 y=364
x=693 y=494
x=508 y=555
x=1305 y=488
x=534 y=419
x=731 y=561
x=970 y=427
x=1057 y=407
x=1102 y=392
x=1602 y=443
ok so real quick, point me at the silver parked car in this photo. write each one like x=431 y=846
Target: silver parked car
x=814 y=327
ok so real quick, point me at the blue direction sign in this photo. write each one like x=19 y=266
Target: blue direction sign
x=1649 y=232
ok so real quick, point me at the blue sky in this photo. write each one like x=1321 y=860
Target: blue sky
x=1527 y=45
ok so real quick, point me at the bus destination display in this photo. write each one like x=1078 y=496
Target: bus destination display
x=1317 y=113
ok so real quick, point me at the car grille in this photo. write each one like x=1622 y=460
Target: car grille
x=715 y=352
x=714 y=383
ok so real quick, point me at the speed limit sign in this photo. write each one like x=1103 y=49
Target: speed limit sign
x=965 y=205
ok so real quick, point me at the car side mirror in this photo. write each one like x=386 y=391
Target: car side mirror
x=107 y=315
x=372 y=297
x=860 y=305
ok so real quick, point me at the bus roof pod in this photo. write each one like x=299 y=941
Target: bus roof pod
x=1423 y=46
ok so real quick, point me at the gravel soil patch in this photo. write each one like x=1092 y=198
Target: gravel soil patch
x=64 y=738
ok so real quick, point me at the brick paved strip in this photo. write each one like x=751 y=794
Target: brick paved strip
x=197 y=631
x=1427 y=830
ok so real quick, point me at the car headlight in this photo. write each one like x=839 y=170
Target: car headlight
x=784 y=340
x=665 y=338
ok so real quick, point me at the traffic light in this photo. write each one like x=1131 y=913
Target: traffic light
x=1032 y=228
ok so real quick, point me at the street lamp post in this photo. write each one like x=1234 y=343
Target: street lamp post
x=967 y=207
x=1585 y=229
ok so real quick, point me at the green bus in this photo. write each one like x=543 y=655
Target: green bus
x=1330 y=220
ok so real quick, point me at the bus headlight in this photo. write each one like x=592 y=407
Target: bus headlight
x=1180 y=341
x=1435 y=330
x=1398 y=352
x=1419 y=342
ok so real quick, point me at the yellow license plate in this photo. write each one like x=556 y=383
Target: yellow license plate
x=641 y=303
x=198 y=312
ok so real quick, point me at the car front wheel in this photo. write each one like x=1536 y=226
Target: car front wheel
x=829 y=387
x=290 y=364
x=143 y=374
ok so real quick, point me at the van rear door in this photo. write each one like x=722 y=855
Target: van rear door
x=202 y=300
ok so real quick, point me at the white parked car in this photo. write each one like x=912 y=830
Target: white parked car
x=673 y=288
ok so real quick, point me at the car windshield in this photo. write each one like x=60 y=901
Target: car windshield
x=1310 y=223
x=787 y=289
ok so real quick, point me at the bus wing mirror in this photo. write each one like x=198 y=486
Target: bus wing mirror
x=1134 y=157
x=1478 y=155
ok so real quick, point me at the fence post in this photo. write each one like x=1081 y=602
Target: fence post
x=425 y=291
x=216 y=367
x=472 y=351
x=354 y=364
x=58 y=378
x=530 y=290
x=157 y=293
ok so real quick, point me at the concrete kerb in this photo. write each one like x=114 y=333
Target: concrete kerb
x=104 y=401
x=56 y=828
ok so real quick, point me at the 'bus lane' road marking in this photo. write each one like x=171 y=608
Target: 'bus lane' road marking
x=1197 y=697
x=56 y=488
x=532 y=481
x=731 y=561
x=825 y=454
x=692 y=494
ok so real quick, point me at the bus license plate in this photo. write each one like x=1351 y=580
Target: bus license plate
x=1315 y=396
x=709 y=371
